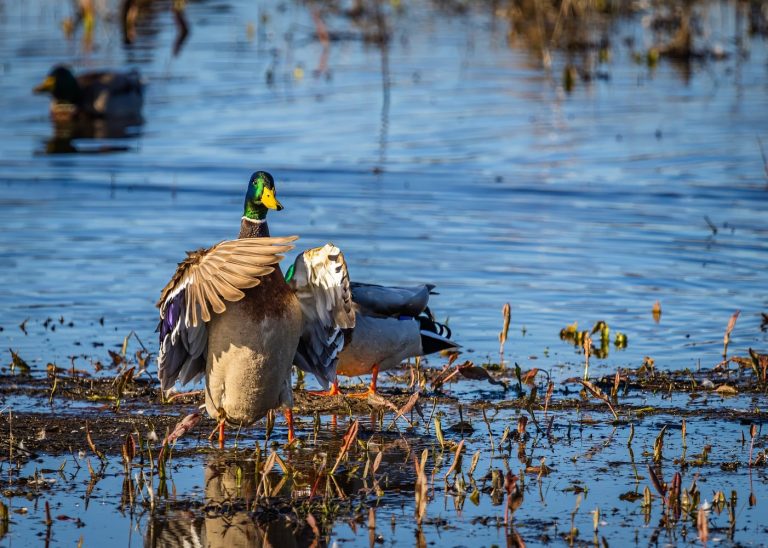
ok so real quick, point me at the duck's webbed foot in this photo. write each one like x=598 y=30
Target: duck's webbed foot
x=372 y=387
x=334 y=390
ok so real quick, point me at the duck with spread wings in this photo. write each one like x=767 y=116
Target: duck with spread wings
x=228 y=315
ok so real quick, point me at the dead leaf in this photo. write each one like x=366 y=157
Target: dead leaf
x=726 y=390
x=529 y=377
x=506 y=313
x=471 y=371
x=90 y=442
x=702 y=524
x=456 y=459
x=129 y=449
x=548 y=397
x=542 y=470
x=596 y=392
x=182 y=427
x=421 y=486
x=117 y=359
x=514 y=495
x=727 y=336
x=349 y=439
x=442 y=377
x=18 y=363
x=657 y=483
x=375 y=399
x=409 y=405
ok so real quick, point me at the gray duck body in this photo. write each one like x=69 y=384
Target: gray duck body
x=390 y=324
x=379 y=340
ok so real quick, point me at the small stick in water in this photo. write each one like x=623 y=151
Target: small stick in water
x=506 y=312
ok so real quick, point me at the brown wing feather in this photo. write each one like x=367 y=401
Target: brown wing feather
x=191 y=315
x=226 y=289
x=192 y=258
x=212 y=295
x=193 y=302
x=234 y=278
x=218 y=274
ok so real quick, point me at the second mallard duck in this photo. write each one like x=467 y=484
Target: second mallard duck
x=391 y=324
x=95 y=95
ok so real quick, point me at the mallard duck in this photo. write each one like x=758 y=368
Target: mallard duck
x=391 y=324
x=228 y=314
x=115 y=95
x=322 y=287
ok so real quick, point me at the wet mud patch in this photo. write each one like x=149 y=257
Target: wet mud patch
x=526 y=463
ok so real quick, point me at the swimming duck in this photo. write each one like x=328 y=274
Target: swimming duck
x=115 y=95
x=227 y=314
x=391 y=324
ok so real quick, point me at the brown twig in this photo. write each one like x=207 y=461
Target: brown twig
x=349 y=439
x=727 y=337
x=596 y=392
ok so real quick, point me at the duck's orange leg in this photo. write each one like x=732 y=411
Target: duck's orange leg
x=372 y=387
x=289 y=418
x=220 y=429
x=334 y=391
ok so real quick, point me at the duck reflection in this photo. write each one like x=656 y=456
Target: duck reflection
x=241 y=507
x=230 y=517
x=137 y=19
x=92 y=136
x=184 y=529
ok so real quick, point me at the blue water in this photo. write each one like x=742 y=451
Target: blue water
x=213 y=497
x=465 y=164
x=482 y=175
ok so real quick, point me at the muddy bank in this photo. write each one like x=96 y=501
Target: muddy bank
x=54 y=414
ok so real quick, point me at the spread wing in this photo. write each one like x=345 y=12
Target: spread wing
x=320 y=281
x=202 y=284
x=378 y=300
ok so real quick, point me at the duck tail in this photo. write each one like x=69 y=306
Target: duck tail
x=435 y=336
x=428 y=323
x=432 y=342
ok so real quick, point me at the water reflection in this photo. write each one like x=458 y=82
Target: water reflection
x=89 y=135
x=137 y=21
x=183 y=528
x=243 y=506
x=230 y=517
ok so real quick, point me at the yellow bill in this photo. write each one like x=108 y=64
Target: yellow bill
x=269 y=200
x=46 y=86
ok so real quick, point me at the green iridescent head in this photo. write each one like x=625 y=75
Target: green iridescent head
x=260 y=196
x=62 y=84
